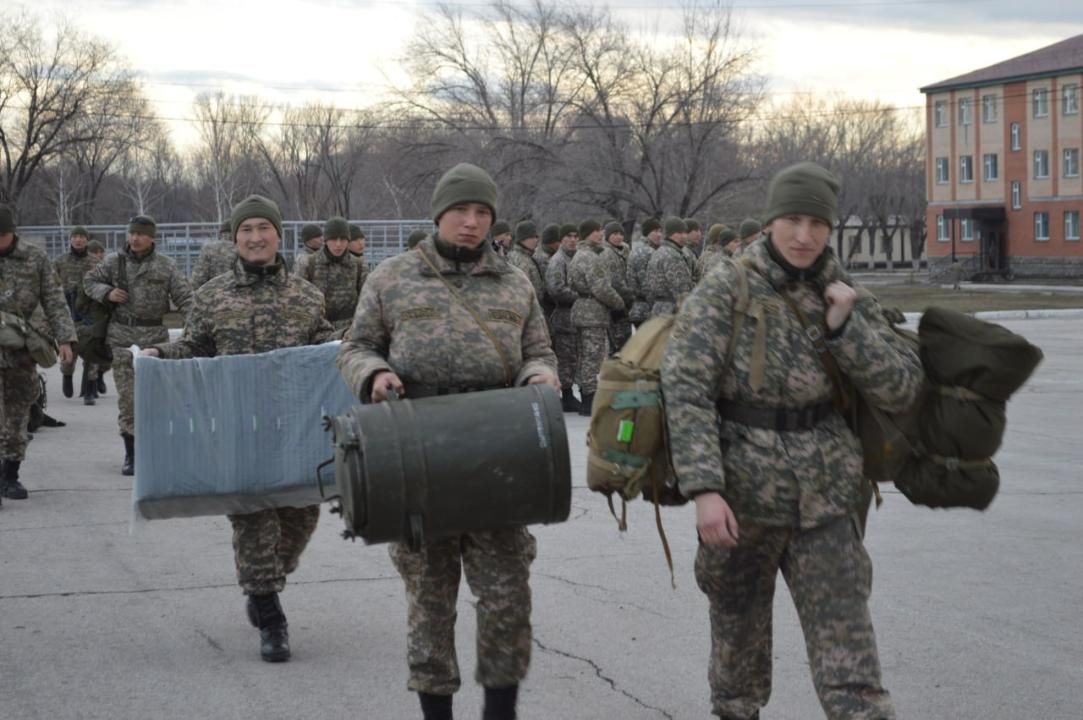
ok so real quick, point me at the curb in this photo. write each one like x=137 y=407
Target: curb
x=1015 y=314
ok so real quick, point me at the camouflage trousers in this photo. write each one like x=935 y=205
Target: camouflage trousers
x=18 y=390
x=566 y=347
x=619 y=332
x=92 y=371
x=497 y=568
x=829 y=575
x=267 y=546
x=593 y=346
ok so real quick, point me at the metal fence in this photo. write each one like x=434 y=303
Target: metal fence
x=183 y=241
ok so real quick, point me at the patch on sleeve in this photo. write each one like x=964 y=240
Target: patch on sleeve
x=421 y=312
x=508 y=316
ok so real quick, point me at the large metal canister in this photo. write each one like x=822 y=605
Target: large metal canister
x=414 y=470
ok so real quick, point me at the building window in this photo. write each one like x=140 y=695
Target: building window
x=941 y=170
x=940 y=113
x=942 y=229
x=1041 y=164
x=965 y=115
x=989 y=162
x=1039 y=103
x=1017 y=141
x=1017 y=195
x=1041 y=226
x=1071 y=225
x=988 y=109
x=1071 y=162
x=1069 y=100
x=966 y=229
x=966 y=168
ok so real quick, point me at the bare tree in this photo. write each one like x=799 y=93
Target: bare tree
x=225 y=158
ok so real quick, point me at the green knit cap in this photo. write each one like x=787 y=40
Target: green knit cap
x=500 y=228
x=525 y=230
x=95 y=246
x=415 y=237
x=7 y=220
x=336 y=227
x=611 y=228
x=691 y=224
x=750 y=226
x=675 y=225
x=587 y=227
x=550 y=234
x=144 y=225
x=309 y=231
x=650 y=225
x=567 y=229
x=356 y=233
x=79 y=230
x=804 y=189
x=715 y=233
x=727 y=236
x=463 y=183
x=255 y=206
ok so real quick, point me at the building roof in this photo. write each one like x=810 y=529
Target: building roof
x=1056 y=59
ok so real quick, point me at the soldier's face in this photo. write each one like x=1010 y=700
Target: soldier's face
x=595 y=238
x=654 y=236
x=679 y=238
x=616 y=239
x=315 y=243
x=98 y=254
x=465 y=224
x=139 y=242
x=78 y=242
x=257 y=241
x=504 y=239
x=530 y=243
x=694 y=237
x=357 y=246
x=337 y=246
x=570 y=242
x=800 y=238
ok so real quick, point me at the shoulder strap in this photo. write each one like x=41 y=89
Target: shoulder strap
x=509 y=377
x=816 y=335
x=122 y=272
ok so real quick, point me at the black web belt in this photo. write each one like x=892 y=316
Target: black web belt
x=783 y=419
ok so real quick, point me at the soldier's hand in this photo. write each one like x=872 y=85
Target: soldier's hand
x=839 y=298
x=67 y=357
x=118 y=296
x=383 y=383
x=151 y=352
x=545 y=379
x=715 y=521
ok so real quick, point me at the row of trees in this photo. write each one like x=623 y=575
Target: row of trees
x=573 y=114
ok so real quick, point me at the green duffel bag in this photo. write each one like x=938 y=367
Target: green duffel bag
x=18 y=334
x=12 y=331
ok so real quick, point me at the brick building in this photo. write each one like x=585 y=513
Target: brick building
x=1003 y=166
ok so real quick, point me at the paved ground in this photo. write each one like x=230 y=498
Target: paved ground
x=979 y=615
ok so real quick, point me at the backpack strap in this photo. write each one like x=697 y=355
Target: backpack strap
x=742 y=307
x=816 y=336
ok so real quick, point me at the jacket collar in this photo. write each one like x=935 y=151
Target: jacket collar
x=489 y=264
x=247 y=276
x=759 y=259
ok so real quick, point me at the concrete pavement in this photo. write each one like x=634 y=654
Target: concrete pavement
x=978 y=615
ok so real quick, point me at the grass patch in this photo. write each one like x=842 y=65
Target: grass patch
x=917 y=298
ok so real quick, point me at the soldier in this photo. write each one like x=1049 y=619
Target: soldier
x=749 y=230
x=311 y=243
x=215 y=257
x=71 y=267
x=415 y=239
x=550 y=245
x=694 y=241
x=139 y=284
x=335 y=273
x=502 y=238
x=523 y=255
x=713 y=253
x=27 y=281
x=96 y=250
x=589 y=277
x=256 y=308
x=615 y=258
x=442 y=351
x=564 y=334
x=357 y=244
x=761 y=448
x=640 y=256
x=669 y=278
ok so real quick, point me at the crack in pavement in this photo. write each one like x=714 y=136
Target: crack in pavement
x=144 y=591
x=210 y=641
x=608 y=601
x=602 y=676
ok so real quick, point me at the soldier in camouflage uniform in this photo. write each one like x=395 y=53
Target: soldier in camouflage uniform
x=615 y=257
x=335 y=273
x=140 y=296
x=257 y=307
x=357 y=244
x=71 y=267
x=311 y=243
x=590 y=278
x=712 y=253
x=502 y=238
x=411 y=334
x=550 y=245
x=765 y=453
x=669 y=278
x=749 y=230
x=27 y=281
x=565 y=336
x=691 y=248
x=637 y=269
x=215 y=257
x=523 y=255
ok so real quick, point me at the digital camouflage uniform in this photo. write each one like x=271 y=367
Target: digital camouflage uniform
x=304 y=255
x=589 y=277
x=616 y=263
x=565 y=337
x=712 y=256
x=797 y=495
x=152 y=282
x=72 y=267
x=243 y=313
x=527 y=261
x=692 y=261
x=409 y=323
x=637 y=280
x=215 y=258
x=668 y=278
x=27 y=281
x=339 y=279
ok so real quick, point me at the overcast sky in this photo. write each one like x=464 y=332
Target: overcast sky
x=341 y=50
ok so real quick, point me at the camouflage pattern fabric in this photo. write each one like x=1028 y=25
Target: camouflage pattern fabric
x=596 y=298
x=692 y=260
x=637 y=280
x=497 y=569
x=829 y=576
x=340 y=280
x=616 y=262
x=593 y=346
x=18 y=391
x=565 y=337
x=304 y=254
x=267 y=546
x=215 y=258
x=668 y=278
x=71 y=268
x=527 y=261
x=711 y=257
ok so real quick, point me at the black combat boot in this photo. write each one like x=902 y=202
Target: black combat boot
x=89 y=391
x=568 y=402
x=101 y=381
x=66 y=386
x=10 y=487
x=500 y=703
x=587 y=404
x=129 y=455
x=435 y=707
x=265 y=612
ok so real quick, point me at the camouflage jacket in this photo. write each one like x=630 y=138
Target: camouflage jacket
x=409 y=322
x=527 y=261
x=712 y=255
x=692 y=261
x=801 y=478
x=215 y=258
x=241 y=313
x=152 y=282
x=27 y=280
x=304 y=254
x=668 y=278
x=637 y=280
x=72 y=269
x=588 y=276
x=560 y=292
x=340 y=280
x=616 y=263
